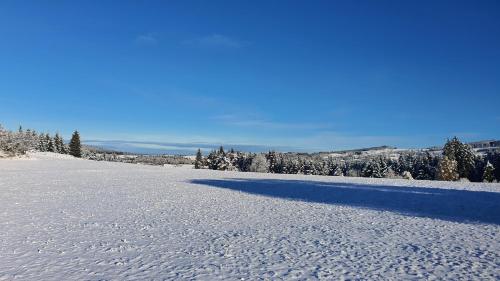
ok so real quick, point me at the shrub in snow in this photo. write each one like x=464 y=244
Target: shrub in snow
x=407 y=175
x=391 y=174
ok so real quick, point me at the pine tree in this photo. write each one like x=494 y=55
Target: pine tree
x=488 y=175
x=494 y=159
x=307 y=167
x=223 y=163
x=382 y=168
x=42 y=146
x=338 y=171
x=447 y=169
x=50 y=143
x=373 y=169
x=463 y=154
x=198 y=163
x=75 y=147
x=212 y=160
x=271 y=159
x=57 y=143
x=60 y=142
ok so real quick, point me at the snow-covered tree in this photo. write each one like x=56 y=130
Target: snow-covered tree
x=462 y=153
x=447 y=169
x=259 y=164
x=488 y=175
x=494 y=159
x=306 y=167
x=272 y=161
x=243 y=161
x=50 y=143
x=58 y=144
x=218 y=160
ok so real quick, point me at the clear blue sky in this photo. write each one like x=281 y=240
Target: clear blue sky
x=317 y=75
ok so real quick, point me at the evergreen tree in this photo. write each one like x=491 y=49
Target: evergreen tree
x=307 y=167
x=447 y=169
x=478 y=171
x=494 y=159
x=58 y=143
x=50 y=143
x=212 y=160
x=62 y=146
x=463 y=154
x=382 y=168
x=367 y=170
x=488 y=175
x=243 y=161
x=280 y=164
x=291 y=165
x=198 y=163
x=218 y=160
x=75 y=147
x=338 y=171
x=271 y=159
x=42 y=146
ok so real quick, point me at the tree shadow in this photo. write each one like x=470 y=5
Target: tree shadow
x=446 y=204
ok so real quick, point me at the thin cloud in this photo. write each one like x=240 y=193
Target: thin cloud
x=330 y=141
x=254 y=122
x=148 y=39
x=215 y=41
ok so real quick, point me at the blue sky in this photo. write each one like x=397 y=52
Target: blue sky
x=310 y=75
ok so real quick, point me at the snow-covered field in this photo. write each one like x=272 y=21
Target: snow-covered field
x=72 y=219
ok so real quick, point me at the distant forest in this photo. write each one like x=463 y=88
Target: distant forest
x=456 y=161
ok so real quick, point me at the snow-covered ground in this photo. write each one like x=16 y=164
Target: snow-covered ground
x=73 y=219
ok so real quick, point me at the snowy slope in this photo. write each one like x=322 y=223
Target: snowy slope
x=73 y=219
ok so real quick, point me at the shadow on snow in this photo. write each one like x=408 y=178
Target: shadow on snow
x=446 y=204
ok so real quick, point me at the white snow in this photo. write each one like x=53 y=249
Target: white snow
x=73 y=219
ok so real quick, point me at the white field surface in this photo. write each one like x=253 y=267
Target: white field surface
x=73 y=219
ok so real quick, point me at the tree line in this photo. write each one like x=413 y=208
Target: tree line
x=13 y=143
x=456 y=162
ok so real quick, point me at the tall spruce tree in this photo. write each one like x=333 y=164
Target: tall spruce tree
x=58 y=143
x=42 y=146
x=50 y=143
x=198 y=163
x=271 y=159
x=488 y=175
x=75 y=147
x=462 y=153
